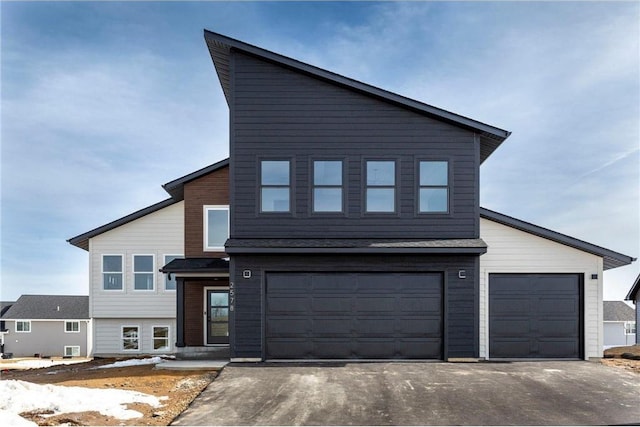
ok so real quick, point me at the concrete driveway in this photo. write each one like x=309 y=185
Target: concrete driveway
x=520 y=393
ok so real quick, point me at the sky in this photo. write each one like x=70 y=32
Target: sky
x=27 y=397
x=103 y=102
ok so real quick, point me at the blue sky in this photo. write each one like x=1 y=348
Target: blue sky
x=104 y=102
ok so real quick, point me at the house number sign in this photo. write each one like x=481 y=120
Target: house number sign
x=232 y=296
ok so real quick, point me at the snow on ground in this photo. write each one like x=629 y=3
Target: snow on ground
x=35 y=363
x=133 y=362
x=21 y=396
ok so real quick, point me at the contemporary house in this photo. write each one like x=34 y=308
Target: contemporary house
x=345 y=225
x=619 y=324
x=48 y=325
x=634 y=295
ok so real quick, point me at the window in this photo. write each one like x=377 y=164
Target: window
x=112 y=272
x=71 y=326
x=170 y=283
x=434 y=186
x=72 y=351
x=629 y=328
x=143 y=275
x=23 y=326
x=161 y=338
x=275 y=186
x=216 y=227
x=381 y=186
x=327 y=186
x=130 y=338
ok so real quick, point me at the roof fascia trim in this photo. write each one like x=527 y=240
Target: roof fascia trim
x=297 y=250
x=633 y=292
x=616 y=259
x=174 y=188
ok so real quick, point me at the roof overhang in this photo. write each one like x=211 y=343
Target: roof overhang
x=176 y=187
x=633 y=292
x=197 y=267
x=220 y=48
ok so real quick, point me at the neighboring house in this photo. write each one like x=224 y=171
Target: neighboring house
x=4 y=306
x=345 y=224
x=619 y=324
x=634 y=295
x=48 y=325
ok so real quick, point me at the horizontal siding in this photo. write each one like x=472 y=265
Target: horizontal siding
x=514 y=251
x=280 y=113
x=160 y=233
x=108 y=342
x=47 y=338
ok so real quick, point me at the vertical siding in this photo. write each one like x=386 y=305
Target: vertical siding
x=284 y=114
x=160 y=233
x=211 y=189
x=108 y=342
x=47 y=338
x=514 y=251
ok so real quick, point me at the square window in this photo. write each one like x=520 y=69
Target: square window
x=72 y=326
x=275 y=199
x=23 y=326
x=72 y=350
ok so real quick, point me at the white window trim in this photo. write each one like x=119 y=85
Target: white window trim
x=152 y=272
x=64 y=352
x=122 y=338
x=205 y=226
x=168 y=348
x=121 y=272
x=22 y=321
x=71 y=332
x=627 y=326
x=164 y=275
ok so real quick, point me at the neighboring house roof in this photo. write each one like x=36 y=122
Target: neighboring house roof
x=49 y=307
x=617 y=311
x=82 y=240
x=475 y=246
x=220 y=47
x=611 y=259
x=176 y=187
x=633 y=292
x=4 y=306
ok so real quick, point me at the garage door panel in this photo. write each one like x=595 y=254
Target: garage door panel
x=355 y=315
x=535 y=315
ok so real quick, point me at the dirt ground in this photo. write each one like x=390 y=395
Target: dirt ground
x=181 y=387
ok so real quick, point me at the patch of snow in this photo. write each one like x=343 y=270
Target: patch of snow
x=22 y=396
x=14 y=420
x=38 y=363
x=132 y=362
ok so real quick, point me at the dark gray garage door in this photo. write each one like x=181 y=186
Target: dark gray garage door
x=353 y=315
x=535 y=316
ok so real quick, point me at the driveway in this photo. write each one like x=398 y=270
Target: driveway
x=521 y=393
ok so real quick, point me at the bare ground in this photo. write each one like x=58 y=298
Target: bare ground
x=181 y=387
x=613 y=357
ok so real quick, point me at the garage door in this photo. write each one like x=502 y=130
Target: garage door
x=353 y=315
x=535 y=316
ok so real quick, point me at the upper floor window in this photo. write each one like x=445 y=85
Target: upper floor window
x=170 y=280
x=143 y=274
x=216 y=227
x=112 y=272
x=23 y=326
x=72 y=326
x=434 y=186
x=275 y=186
x=381 y=186
x=327 y=186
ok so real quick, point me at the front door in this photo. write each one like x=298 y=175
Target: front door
x=217 y=316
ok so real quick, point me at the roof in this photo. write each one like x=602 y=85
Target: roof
x=633 y=292
x=611 y=258
x=82 y=240
x=617 y=311
x=220 y=47
x=449 y=246
x=176 y=187
x=49 y=307
x=196 y=265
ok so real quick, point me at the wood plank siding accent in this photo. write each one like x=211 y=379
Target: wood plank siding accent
x=282 y=114
x=210 y=189
x=460 y=295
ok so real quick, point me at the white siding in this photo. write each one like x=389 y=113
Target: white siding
x=159 y=233
x=615 y=336
x=514 y=251
x=107 y=339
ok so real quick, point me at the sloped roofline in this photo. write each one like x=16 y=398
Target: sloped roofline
x=633 y=292
x=176 y=187
x=611 y=258
x=220 y=47
x=34 y=307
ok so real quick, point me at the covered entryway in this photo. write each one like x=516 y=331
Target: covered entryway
x=354 y=315
x=535 y=316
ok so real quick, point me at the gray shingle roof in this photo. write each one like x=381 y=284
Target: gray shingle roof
x=618 y=311
x=49 y=307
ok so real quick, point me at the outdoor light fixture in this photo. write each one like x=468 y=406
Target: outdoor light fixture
x=462 y=274
x=246 y=274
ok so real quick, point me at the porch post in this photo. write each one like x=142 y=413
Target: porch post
x=180 y=312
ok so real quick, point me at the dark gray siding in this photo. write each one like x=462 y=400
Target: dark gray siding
x=460 y=295
x=284 y=114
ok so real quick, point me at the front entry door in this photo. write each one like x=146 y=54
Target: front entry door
x=217 y=316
